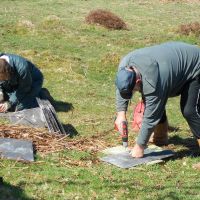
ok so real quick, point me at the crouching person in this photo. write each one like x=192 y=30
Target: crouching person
x=20 y=83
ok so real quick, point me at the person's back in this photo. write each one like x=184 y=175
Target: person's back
x=177 y=63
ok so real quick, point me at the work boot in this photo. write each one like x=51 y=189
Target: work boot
x=197 y=165
x=160 y=134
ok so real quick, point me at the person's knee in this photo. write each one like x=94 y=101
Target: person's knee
x=27 y=103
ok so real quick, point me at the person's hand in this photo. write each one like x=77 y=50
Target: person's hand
x=137 y=151
x=121 y=116
x=4 y=106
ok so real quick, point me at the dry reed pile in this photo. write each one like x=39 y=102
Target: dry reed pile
x=106 y=19
x=45 y=142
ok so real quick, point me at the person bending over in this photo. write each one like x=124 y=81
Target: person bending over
x=20 y=83
x=166 y=70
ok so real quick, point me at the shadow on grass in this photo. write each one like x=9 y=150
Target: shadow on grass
x=10 y=192
x=190 y=143
x=173 y=129
x=70 y=130
x=157 y=191
x=61 y=106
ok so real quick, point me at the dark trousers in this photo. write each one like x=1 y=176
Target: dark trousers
x=190 y=105
x=164 y=118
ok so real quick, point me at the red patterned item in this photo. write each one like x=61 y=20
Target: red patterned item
x=137 y=116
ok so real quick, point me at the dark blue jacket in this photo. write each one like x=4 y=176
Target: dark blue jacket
x=25 y=83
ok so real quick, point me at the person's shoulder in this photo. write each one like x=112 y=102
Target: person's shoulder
x=18 y=62
x=178 y=44
x=16 y=57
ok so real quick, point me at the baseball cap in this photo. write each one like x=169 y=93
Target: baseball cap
x=125 y=82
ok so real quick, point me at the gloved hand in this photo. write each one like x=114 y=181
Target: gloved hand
x=1 y=96
x=121 y=116
x=4 y=106
x=121 y=126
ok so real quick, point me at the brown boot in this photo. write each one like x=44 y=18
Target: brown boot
x=160 y=134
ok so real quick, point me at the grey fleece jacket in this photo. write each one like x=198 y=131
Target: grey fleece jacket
x=165 y=69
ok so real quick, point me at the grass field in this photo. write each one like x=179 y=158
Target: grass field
x=79 y=62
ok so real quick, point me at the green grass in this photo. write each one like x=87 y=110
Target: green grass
x=79 y=62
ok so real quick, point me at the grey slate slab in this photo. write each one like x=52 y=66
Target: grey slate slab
x=16 y=149
x=50 y=116
x=125 y=160
x=30 y=117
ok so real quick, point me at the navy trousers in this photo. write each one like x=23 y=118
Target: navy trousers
x=190 y=105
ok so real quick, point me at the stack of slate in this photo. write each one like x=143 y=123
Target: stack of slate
x=50 y=116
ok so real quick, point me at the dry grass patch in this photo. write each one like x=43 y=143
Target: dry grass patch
x=106 y=19
x=111 y=58
x=191 y=28
x=180 y=1
x=24 y=26
x=53 y=23
x=45 y=142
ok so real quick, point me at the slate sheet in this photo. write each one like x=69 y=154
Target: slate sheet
x=16 y=149
x=30 y=117
x=125 y=160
